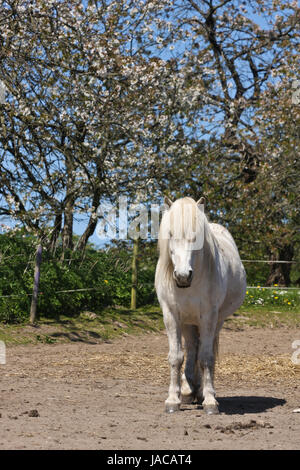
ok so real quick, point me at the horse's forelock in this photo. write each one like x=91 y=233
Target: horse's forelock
x=182 y=220
x=185 y=219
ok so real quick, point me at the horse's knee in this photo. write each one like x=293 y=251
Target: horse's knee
x=206 y=360
x=176 y=358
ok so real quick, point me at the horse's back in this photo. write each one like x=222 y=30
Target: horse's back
x=226 y=244
x=221 y=232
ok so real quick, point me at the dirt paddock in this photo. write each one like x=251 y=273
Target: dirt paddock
x=111 y=395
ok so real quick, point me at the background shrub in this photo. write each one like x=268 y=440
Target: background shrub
x=103 y=275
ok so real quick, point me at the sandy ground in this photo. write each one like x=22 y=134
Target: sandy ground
x=111 y=395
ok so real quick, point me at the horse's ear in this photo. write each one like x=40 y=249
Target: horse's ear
x=201 y=203
x=168 y=201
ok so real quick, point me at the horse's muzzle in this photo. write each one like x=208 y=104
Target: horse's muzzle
x=183 y=281
x=182 y=287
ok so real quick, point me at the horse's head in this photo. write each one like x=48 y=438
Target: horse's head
x=185 y=233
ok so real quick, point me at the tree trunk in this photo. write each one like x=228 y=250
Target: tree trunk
x=134 y=273
x=287 y=254
x=280 y=272
x=55 y=233
x=67 y=234
x=92 y=223
x=86 y=234
x=36 y=282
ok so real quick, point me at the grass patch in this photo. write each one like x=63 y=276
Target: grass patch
x=268 y=308
x=116 y=321
x=274 y=297
x=88 y=327
x=266 y=316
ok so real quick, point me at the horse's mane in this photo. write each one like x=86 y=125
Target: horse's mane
x=171 y=220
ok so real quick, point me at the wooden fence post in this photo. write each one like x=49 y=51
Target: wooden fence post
x=134 y=273
x=36 y=281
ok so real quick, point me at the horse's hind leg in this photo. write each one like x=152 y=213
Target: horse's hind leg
x=190 y=378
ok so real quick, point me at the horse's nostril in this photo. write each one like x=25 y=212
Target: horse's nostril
x=184 y=278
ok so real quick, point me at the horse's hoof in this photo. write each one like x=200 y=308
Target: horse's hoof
x=187 y=399
x=211 y=409
x=172 y=408
x=199 y=399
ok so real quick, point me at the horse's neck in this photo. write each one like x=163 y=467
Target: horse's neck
x=209 y=247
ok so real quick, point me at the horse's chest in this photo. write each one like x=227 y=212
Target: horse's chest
x=189 y=310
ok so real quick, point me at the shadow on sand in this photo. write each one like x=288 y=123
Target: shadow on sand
x=239 y=405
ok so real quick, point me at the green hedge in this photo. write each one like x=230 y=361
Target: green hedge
x=106 y=273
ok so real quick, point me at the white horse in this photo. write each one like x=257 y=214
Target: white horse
x=200 y=280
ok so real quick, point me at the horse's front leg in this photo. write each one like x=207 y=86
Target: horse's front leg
x=207 y=356
x=175 y=357
x=190 y=382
